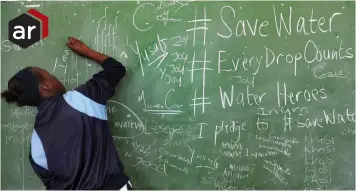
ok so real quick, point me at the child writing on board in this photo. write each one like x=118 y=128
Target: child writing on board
x=71 y=144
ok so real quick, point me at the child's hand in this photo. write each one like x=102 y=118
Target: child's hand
x=78 y=46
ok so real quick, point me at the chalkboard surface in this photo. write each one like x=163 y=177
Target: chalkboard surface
x=218 y=95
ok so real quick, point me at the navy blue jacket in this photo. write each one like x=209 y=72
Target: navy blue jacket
x=71 y=145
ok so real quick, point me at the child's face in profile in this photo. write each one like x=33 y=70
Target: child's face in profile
x=48 y=82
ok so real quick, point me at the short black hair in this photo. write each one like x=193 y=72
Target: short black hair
x=15 y=90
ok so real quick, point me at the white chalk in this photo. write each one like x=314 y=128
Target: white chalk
x=32 y=5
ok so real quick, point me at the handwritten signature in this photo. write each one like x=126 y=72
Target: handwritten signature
x=320 y=74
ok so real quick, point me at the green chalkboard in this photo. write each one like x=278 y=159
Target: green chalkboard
x=218 y=95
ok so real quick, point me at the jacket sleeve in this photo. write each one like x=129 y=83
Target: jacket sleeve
x=101 y=87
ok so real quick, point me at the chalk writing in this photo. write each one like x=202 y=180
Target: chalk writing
x=235 y=128
x=171 y=131
x=14 y=127
x=318 y=161
x=160 y=168
x=19 y=112
x=223 y=95
x=279 y=172
x=140 y=148
x=320 y=74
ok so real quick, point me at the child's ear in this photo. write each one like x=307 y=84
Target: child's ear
x=46 y=86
